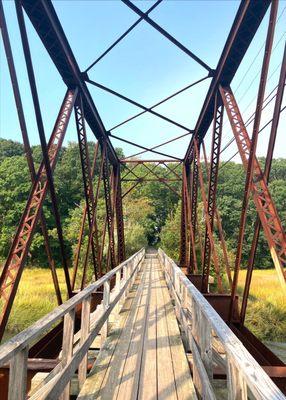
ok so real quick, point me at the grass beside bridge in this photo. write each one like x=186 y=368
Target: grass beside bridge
x=266 y=316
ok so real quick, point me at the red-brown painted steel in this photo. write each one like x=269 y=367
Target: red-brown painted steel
x=88 y=185
x=109 y=208
x=119 y=216
x=14 y=264
x=220 y=229
x=207 y=219
x=213 y=177
x=265 y=206
x=26 y=142
x=268 y=161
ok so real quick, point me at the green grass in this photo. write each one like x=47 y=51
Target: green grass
x=266 y=311
x=35 y=298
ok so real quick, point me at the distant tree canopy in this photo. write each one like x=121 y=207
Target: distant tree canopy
x=229 y=201
x=151 y=210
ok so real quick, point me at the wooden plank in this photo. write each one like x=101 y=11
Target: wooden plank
x=95 y=384
x=165 y=372
x=183 y=379
x=111 y=384
x=148 y=374
x=130 y=377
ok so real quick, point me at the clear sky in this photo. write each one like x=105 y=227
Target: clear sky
x=145 y=67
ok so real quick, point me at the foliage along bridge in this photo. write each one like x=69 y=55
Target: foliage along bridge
x=145 y=328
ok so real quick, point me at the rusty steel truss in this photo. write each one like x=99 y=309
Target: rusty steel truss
x=202 y=238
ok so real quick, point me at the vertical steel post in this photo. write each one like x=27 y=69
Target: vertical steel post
x=109 y=212
x=81 y=232
x=194 y=203
x=213 y=176
x=207 y=218
x=220 y=229
x=119 y=215
x=87 y=180
x=183 y=235
x=192 y=259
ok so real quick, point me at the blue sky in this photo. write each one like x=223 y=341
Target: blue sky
x=145 y=67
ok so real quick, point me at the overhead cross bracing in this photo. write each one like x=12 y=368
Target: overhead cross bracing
x=101 y=246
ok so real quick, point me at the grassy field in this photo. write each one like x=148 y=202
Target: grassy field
x=266 y=316
x=266 y=312
x=35 y=298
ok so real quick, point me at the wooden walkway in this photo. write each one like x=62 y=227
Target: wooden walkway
x=143 y=357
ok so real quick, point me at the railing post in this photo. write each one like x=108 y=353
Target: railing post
x=18 y=375
x=117 y=290
x=106 y=300
x=205 y=335
x=183 y=318
x=236 y=385
x=85 y=328
x=67 y=348
x=194 y=338
x=129 y=269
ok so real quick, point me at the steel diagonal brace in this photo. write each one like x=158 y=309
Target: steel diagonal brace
x=267 y=168
x=43 y=142
x=140 y=180
x=163 y=180
x=123 y=35
x=14 y=264
x=135 y=103
x=167 y=35
x=265 y=206
x=26 y=142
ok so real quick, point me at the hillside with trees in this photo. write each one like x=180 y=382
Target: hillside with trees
x=151 y=210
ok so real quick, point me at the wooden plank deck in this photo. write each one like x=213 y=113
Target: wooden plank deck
x=143 y=357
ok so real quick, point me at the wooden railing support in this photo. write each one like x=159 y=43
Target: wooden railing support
x=75 y=347
x=208 y=337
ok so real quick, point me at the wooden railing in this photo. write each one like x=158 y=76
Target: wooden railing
x=75 y=346
x=212 y=342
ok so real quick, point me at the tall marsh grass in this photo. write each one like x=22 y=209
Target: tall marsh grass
x=35 y=298
x=266 y=311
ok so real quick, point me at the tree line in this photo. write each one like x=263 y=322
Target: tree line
x=151 y=210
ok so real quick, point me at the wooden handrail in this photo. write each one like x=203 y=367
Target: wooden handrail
x=57 y=383
x=202 y=326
